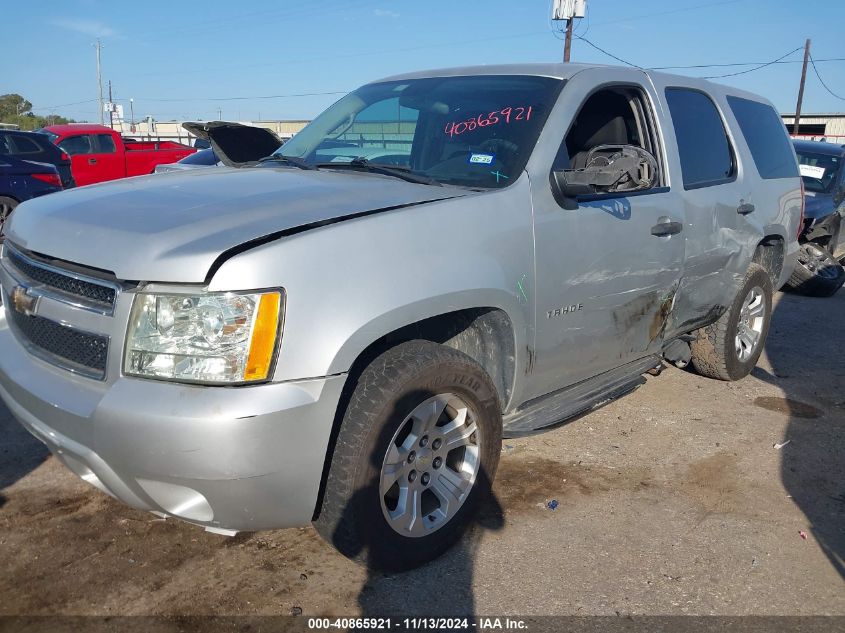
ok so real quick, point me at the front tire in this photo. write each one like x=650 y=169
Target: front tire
x=416 y=452
x=816 y=273
x=729 y=348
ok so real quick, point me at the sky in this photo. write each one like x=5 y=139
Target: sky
x=190 y=60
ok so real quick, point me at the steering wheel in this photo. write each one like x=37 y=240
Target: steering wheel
x=500 y=146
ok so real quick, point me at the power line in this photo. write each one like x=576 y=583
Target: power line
x=65 y=105
x=751 y=70
x=816 y=70
x=728 y=65
x=600 y=49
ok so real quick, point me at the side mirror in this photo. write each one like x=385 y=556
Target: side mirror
x=609 y=169
x=839 y=195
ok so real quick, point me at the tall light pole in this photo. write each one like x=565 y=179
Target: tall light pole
x=99 y=46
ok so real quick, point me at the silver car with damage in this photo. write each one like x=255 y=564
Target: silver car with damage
x=342 y=332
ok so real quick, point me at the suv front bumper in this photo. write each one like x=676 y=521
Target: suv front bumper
x=230 y=459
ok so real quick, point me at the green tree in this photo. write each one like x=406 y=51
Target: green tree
x=13 y=105
x=17 y=110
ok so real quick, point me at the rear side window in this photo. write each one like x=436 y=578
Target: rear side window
x=23 y=145
x=766 y=136
x=703 y=147
x=105 y=144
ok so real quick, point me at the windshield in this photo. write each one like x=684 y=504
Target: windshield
x=818 y=171
x=467 y=131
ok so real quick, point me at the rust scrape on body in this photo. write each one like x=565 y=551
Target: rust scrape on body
x=661 y=317
x=651 y=304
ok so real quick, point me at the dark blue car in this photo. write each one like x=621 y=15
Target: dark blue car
x=822 y=237
x=21 y=180
x=37 y=147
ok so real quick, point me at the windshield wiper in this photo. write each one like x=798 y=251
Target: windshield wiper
x=362 y=164
x=290 y=160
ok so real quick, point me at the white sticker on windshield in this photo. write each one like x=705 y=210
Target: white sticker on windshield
x=481 y=159
x=811 y=171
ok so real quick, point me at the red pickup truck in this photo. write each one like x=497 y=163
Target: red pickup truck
x=98 y=153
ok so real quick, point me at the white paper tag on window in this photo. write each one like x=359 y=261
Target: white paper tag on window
x=811 y=171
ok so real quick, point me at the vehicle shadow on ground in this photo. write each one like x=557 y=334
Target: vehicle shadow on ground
x=806 y=353
x=20 y=453
x=441 y=588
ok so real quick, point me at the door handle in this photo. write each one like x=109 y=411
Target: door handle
x=745 y=208
x=92 y=161
x=666 y=227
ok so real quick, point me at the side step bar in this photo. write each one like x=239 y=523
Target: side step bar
x=554 y=409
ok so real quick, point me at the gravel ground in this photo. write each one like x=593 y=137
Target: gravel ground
x=673 y=500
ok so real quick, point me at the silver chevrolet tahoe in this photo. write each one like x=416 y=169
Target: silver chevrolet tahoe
x=342 y=332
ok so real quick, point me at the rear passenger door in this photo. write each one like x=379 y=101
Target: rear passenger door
x=703 y=162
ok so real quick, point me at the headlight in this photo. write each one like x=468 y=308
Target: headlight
x=205 y=338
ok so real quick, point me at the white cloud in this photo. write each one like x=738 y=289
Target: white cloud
x=87 y=27
x=384 y=13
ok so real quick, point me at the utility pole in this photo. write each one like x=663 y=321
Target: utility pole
x=568 y=10
x=111 y=108
x=567 y=45
x=99 y=46
x=797 y=121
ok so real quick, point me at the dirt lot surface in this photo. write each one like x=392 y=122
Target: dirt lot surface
x=678 y=499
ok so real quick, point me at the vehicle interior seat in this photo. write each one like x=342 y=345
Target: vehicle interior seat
x=605 y=119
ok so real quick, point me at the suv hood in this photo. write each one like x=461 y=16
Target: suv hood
x=235 y=144
x=172 y=227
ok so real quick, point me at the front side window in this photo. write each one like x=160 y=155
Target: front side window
x=703 y=147
x=77 y=145
x=766 y=136
x=466 y=131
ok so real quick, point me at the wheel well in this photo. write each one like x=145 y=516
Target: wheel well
x=483 y=334
x=769 y=254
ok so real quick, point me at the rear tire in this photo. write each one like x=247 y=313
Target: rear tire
x=816 y=273
x=392 y=509
x=729 y=348
x=7 y=205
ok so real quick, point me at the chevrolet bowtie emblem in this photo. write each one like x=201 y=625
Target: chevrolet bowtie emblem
x=23 y=302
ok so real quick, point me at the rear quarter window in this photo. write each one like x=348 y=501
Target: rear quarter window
x=766 y=136
x=23 y=145
x=703 y=148
x=105 y=144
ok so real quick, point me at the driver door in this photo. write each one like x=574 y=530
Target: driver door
x=606 y=270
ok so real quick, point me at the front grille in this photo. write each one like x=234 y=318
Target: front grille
x=61 y=345
x=66 y=283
